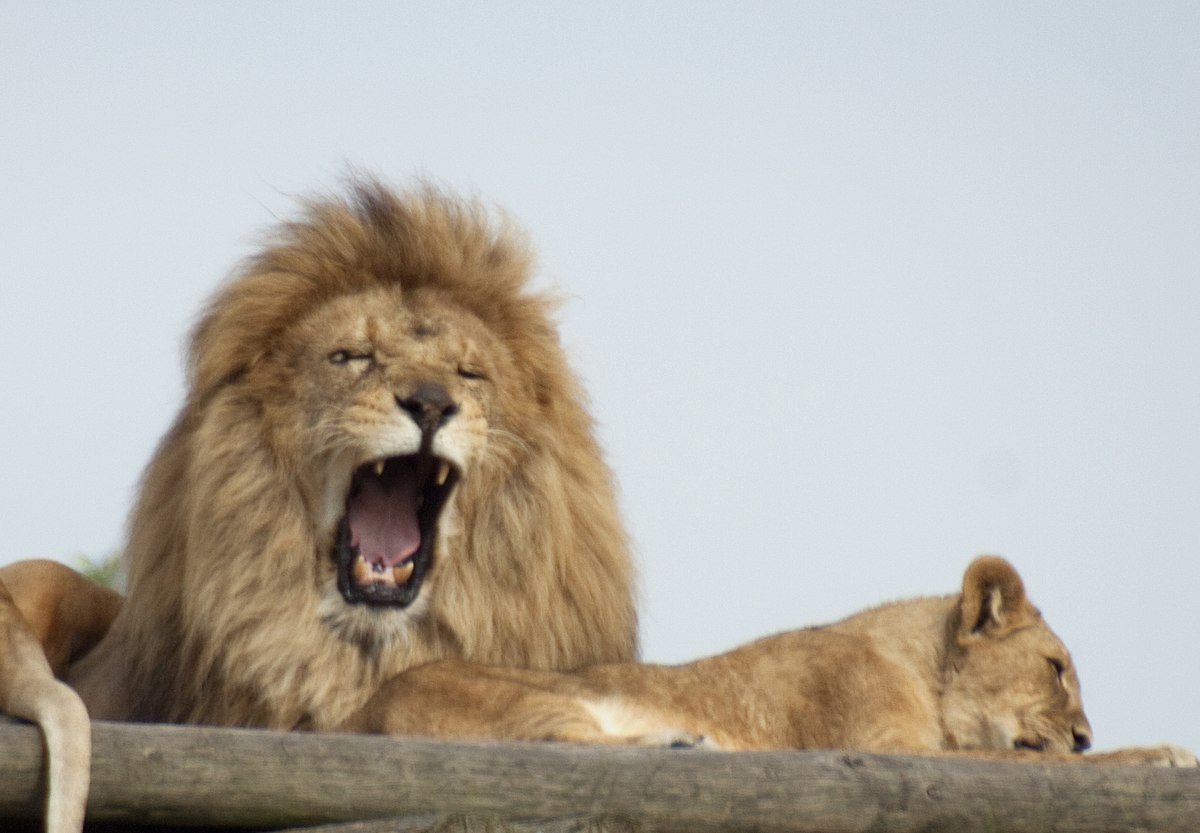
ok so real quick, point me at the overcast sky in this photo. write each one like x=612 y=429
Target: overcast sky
x=859 y=291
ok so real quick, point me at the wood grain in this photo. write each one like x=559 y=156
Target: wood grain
x=208 y=777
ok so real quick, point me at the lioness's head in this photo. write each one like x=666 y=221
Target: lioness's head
x=1010 y=683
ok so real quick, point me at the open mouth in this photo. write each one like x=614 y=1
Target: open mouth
x=384 y=543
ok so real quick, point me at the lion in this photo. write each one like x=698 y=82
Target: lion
x=383 y=460
x=977 y=673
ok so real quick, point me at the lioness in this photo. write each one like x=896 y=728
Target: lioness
x=978 y=672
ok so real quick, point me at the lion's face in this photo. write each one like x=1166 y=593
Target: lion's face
x=1010 y=683
x=387 y=399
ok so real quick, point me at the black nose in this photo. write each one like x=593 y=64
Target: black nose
x=429 y=405
x=1083 y=741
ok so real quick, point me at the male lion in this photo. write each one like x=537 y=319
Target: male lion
x=979 y=672
x=383 y=459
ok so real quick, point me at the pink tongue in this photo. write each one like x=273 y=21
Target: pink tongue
x=383 y=520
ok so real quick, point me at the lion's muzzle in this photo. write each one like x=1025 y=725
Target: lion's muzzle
x=385 y=540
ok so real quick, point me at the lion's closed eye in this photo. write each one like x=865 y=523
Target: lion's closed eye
x=342 y=357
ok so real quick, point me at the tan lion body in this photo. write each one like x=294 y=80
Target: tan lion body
x=979 y=673
x=48 y=615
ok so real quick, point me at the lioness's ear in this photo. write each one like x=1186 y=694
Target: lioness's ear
x=993 y=599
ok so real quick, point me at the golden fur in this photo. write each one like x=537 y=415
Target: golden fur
x=378 y=327
x=979 y=672
x=49 y=615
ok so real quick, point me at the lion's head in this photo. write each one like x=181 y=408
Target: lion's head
x=383 y=459
x=1009 y=680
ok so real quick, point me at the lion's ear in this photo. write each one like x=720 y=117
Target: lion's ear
x=993 y=599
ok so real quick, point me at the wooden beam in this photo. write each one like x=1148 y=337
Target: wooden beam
x=200 y=776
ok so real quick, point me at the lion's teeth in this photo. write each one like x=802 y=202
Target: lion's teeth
x=379 y=574
x=443 y=472
x=379 y=468
x=362 y=571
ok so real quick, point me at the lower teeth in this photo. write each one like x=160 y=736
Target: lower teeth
x=374 y=572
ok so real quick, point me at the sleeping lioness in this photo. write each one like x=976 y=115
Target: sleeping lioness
x=979 y=672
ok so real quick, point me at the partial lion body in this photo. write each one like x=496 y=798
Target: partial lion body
x=977 y=673
x=49 y=616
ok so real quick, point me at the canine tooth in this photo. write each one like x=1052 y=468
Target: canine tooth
x=379 y=468
x=362 y=571
x=443 y=472
x=403 y=573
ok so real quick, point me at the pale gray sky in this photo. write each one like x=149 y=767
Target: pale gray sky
x=859 y=290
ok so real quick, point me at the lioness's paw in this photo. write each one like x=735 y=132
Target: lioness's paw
x=1177 y=756
x=1167 y=755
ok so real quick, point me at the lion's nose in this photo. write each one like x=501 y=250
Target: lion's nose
x=1083 y=738
x=429 y=405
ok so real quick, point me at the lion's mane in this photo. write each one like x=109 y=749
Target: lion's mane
x=222 y=621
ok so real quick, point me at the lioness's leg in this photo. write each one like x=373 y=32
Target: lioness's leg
x=29 y=689
x=1167 y=755
x=459 y=699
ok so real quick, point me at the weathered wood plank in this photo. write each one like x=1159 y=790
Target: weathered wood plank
x=167 y=775
x=474 y=824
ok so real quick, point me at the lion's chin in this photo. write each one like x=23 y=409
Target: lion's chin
x=384 y=545
x=371 y=628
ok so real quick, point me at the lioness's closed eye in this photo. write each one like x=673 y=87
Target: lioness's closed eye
x=979 y=672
